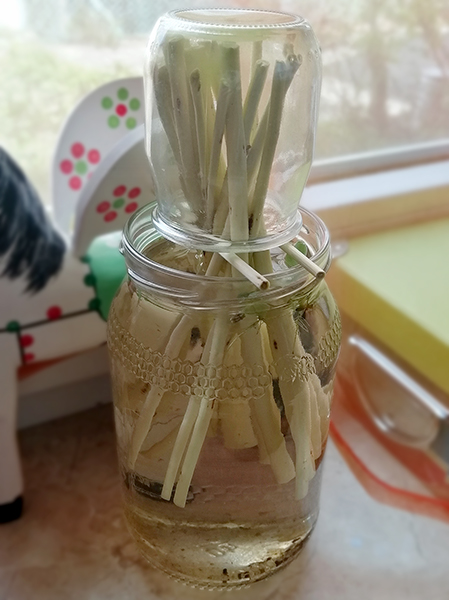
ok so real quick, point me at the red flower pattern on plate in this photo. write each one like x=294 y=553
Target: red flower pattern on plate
x=76 y=167
x=123 y=199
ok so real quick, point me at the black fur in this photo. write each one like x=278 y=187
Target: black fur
x=31 y=246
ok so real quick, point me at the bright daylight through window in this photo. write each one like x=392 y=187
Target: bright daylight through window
x=385 y=69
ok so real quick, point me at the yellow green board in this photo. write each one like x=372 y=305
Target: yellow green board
x=396 y=285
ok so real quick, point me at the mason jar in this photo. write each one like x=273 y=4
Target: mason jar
x=222 y=395
x=231 y=105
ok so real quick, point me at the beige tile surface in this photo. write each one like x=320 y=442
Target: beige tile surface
x=72 y=543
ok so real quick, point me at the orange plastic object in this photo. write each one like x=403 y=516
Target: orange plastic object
x=25 y=371
x=408 y=478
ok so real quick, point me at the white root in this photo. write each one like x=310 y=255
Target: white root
x=234 y=414
x=315 y=423
x=323 y=397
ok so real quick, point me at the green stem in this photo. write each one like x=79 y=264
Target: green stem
x=200 y=126
x=212 y=356
x=217 y=141
x=253 y=97
x=282 y=78
x=265 y=411
x=236 y=147
x=165 y=110
x=181 y=102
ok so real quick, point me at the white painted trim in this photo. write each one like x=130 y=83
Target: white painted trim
x=72 y=385
x=368 y=203
x=377 y=161
x=62 y=401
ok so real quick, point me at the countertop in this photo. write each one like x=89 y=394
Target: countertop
x=72 y=542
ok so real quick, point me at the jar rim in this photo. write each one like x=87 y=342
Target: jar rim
x=198 y=17
x=138 y=264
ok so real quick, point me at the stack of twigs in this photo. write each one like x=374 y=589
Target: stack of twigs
x=224 y=147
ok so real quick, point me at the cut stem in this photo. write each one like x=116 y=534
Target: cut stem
x=212 y=356
x=264 y=410
x=253 y=97
x=304 y=261
x=246 y=270
x=282 y=78
x=152 y=401
x=236 y=147
x=200 y=126
x=181 y=102
x=165 y=108
x=217 y=141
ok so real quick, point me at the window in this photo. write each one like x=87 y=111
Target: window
x=385 y=70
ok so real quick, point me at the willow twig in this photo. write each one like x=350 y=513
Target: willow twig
x=200 y=126
x=265 y=411
x=236 y=148
x=217 y=140
x=212 y=356
x=282 y=78
x=253 y=95
x=303 y=260
x=148 y=410
x=246 y=270
x=181 y=101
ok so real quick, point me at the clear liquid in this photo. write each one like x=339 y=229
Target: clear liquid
x=214 y=554
x=239 y=526
x=247 y=515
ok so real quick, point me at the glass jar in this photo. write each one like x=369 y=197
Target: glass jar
x=222 y=396
x=231 y=108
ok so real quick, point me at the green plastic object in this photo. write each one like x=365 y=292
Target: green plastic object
x=107 y=270
x=302 y=247
x=396 y=285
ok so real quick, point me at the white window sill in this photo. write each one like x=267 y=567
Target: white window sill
x=367 y=203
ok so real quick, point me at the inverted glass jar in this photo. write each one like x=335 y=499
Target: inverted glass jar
x=231 y=107
x=220 y=450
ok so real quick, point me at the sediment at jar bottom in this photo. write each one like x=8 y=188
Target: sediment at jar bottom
x=216 y=555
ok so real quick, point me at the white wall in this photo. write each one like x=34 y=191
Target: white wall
x=73 y=385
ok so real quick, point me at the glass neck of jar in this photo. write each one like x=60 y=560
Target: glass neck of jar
x=204 y=292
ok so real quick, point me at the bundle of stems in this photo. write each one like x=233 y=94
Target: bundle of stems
x=224 y=146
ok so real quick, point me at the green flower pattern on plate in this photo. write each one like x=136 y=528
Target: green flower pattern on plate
x=122 y=110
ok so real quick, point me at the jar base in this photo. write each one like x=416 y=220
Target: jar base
x=215 y=556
